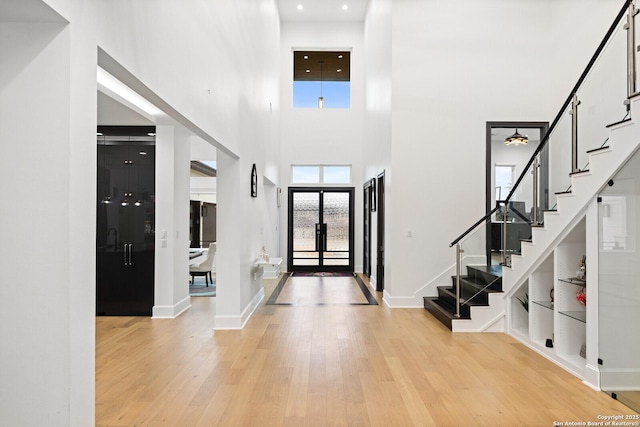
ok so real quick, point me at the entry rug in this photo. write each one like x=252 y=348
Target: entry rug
x=200 y=289
x=323 y=274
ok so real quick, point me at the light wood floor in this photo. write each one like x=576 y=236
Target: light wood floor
x=305 y=290
x=327 y=365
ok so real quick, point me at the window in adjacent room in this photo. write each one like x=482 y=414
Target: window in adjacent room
x=321 y=79
x=504 y=180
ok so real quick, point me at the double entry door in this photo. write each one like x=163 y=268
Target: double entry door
x=320 y=229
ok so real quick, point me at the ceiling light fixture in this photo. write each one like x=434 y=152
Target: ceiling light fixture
x=306 y=57
x=516 y=139
x=299 y=7
x=345 y=7
x=339 y=56
x=112 y=84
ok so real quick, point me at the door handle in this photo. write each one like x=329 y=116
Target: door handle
x=318 y=237
x=124 y=246
x=324 y=237
x=130 y=253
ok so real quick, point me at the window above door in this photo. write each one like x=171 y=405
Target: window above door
x=321 y=174
x=321 y=79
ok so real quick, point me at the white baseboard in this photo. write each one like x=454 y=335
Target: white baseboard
x=402 y=302
x=171 y=311
x=238 y=322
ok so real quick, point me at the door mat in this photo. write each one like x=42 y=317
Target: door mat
x=322 y=273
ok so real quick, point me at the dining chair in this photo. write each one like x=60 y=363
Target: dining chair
x=205 y=267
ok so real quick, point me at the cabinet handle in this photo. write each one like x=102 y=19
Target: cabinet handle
x=125 y=253
x=130 y=250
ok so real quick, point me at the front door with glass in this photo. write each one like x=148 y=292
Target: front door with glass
x=320 y=229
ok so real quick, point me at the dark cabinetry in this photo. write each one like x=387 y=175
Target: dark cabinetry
x=125 y=225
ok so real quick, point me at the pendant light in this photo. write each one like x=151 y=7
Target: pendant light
x=516 y=139
x=321 y=98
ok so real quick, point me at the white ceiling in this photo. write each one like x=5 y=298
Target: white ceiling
x=322 y=10
x=113 y=113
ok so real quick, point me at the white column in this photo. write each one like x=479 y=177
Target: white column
x=172 y=222
x=47 y=226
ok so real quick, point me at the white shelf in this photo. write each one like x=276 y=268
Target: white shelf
x=564 y=320
x=271 y=267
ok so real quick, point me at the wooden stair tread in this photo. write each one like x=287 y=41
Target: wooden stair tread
x=579 y=172
x=595 y=150
x=623 y=120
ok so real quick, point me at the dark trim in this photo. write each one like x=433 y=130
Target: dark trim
x=202 y=168
x=321 y=267
x=578 y=172
x=628 y=119
x=490 y=190
x=126 y=130
x=380 y=237
x=365 y=290
x=634 y=95
x=595 y=150
x=278 y=289
x=367 y=209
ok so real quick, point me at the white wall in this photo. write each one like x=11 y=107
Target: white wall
x=212 y=66
x=322 y=136
x=171 y=290
x=455 y=67
x=377 y=131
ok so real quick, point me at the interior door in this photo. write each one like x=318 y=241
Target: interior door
x=366 y=250
x=321 y=229
x=125 y=226
x=381 y=225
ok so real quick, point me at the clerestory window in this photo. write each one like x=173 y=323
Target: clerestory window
x=321 y=79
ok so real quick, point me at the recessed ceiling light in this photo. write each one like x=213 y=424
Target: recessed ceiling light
x=307 y=70
x=339 y=70
x=339 y=56
x=306 y=57
x=345 y=7
x=299 y=7
x=151 y=134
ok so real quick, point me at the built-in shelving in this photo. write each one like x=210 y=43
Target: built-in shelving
x=556 y=322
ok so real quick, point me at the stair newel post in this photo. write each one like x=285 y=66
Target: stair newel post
x=630 y=26
x=574 y=133
x=536 y=166
x=504 y=233
x=459 y=252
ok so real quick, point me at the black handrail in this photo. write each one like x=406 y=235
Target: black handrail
x=566 y=103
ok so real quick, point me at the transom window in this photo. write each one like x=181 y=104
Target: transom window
x=321 y=79
x=321 y=174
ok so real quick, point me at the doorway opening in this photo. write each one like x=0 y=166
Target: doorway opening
x=321 y=231
x=505 y=162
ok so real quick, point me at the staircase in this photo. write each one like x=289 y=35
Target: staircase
x=475 y=288
x=488 y=310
